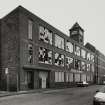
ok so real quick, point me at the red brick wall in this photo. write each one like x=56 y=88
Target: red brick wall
x=10 y=49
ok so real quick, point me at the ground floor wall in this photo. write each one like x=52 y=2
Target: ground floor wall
x=37 y=78
x=29 y=79
x=34 y=79
x=9 y=79
x=101 y=79
x=69 y=79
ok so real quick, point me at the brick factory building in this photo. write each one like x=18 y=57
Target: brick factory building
x=35 y=54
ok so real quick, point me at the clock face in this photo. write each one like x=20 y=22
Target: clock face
x=74 y=32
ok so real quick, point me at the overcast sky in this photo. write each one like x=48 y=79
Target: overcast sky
x=62 y=14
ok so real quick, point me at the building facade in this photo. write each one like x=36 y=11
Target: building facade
x=35 y=54
x=100 y=67
x=99 y=61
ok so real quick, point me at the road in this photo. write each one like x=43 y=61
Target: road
x=68 y=96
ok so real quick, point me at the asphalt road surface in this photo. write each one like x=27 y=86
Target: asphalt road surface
x=68 y=96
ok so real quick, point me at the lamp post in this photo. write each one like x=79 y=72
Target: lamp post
x=7 y=79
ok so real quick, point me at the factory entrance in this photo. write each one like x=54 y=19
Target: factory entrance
x=30 y=79
x=44 y=81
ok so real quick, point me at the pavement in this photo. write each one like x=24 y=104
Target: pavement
x=65 y=96
x=7 y=93
x=50 y=90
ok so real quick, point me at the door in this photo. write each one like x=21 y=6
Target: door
x=30 y=79
x=43 y=83
x=43 y=79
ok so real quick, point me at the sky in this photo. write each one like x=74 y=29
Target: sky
x=62 y=14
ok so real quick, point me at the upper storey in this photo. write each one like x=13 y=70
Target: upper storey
x=51 y=44
x=77 y=33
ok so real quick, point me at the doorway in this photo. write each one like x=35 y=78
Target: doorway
x=30 y=79
x=43 y=77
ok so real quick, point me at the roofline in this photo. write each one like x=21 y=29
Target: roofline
x=28 y=12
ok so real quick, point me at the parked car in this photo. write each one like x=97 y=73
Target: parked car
x=82 y=84
x=103 y=82
x=99 y=97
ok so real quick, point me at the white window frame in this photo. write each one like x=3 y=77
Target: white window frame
x=30 y=27
x=59 y=39
x=69 y=47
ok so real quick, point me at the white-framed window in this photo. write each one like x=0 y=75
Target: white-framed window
x=59 y=41
x=77 y=50
x=88 y=67
x=30 y=53
x=59 y=59
x=92 y=58
x=62 y=76
x=70 y=77
x=77 y=64
x=88 y=77
x=83 y=66
x=30 y=26
x=69 y=62
x=45 y=35
x=88 y=56
x=59 y=76
x=83 y=77
x=45 y=55
x=77 y=77
x=92 y=67
x=83 y=53
x=67 y=77
x=69 y=46
x=56 y=76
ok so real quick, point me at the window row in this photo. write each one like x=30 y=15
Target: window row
x=30 y=53
x=69 y=77
x=45 y=35
x=45 y=56
x=30 y=26
x=59 y=76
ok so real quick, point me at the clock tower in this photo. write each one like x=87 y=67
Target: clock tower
x=77 y=33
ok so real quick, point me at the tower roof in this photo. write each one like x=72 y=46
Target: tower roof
x=76 y=25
